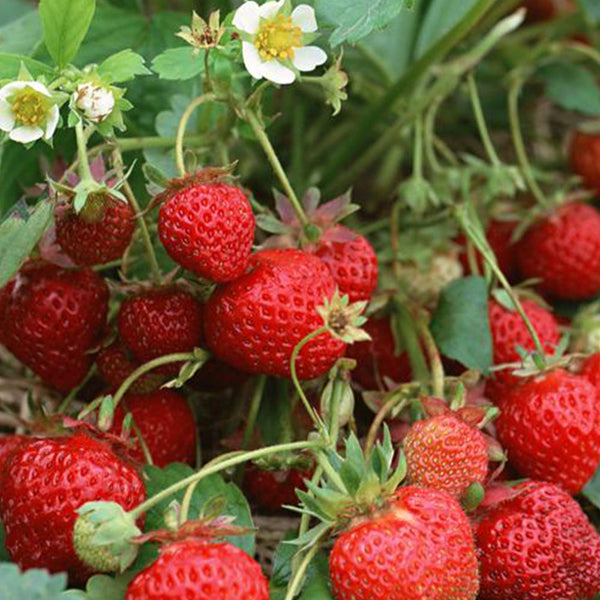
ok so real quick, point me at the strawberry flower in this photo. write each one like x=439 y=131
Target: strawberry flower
x=274 y=40
x=94 y=102
x=27 y=111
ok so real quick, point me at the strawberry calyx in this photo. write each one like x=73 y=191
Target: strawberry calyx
x=344 y=320
x=285 y=461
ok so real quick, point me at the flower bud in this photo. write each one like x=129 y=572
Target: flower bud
x=94 y=101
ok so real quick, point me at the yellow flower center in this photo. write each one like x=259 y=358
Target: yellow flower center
x=30 y=107
x=277 y=38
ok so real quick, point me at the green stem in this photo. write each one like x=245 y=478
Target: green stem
x=223 y=464
x=187 y=502
x=334 y=412
x=481 y=123
x=429 y=137
x=143 y=143
x=149 y=366
x=264 y=141
x=418 y=149
x=309 y=409
x=73 y=393
x=437 y=368
x=257 y=397
x=85 y=173
x=408 y=334
x=519 y=143
x=298 y=578
x=139 y=216
x=380 y=417
x=187 y=113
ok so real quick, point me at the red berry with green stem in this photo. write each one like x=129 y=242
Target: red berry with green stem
x=509 y=331
x=51 y=319
x=200 y=570
x=419 y=548
x=537 y=545
x=208 y=228
x=563 y=251
x=115 y=366
x=351 y=260
x=255 y=322
x=445 y=453
x=160 y=321
x=165 y=422
x=99 y=234
x=549 y=426
x=45 y=482
x=378 y=360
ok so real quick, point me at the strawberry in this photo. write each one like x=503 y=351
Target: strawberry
x=45 y=482
x=216 y=376
x=200 y=570
x=419 y=548
x=161 y=321
x=8 y=443
x=273 y=489
x=351 y=260
x=537 y=545
x=445 y=453
x=550 y=428
x=114 y=366
x=585 y=159
x=166 y=424
x=509 y=331
x=563 y=250
x=591 y=370
x=208 y=228
x=255 y=322
x=499 y=236
x=100 y=233
x=51 y=318
x=377 y=359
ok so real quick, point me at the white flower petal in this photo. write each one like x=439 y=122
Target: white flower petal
x=304 y=17
x=9 y=88
x=52 y=122
x=38 y=87
x=26 y=134
x=270 y=9
x=274 y=71
x=247 y=17
x=7 y=118
x=252 y=60
x=309 y=58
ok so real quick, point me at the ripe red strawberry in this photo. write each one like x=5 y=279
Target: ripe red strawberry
x=100 y=233
x=51 y=318
x=377 y=359
x=585 y=159
x=166 y=423
x=255 y=322
x=114 y=366
x=550 y=428
x=421 y=548
x=591 y=370
x=351 y=260
x=538 y=545
x=273 y=489
x=445 y=453
x=161 y=321
x=509 y=331
x=499 y=235
x=203 y=571
x=8 y=443
x=208 y=228
x=45 y=482
x=563 y=250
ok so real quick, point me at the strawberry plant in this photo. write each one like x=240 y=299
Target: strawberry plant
x=299 y=299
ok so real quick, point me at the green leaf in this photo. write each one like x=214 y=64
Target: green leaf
x=103 y=587
x=178 y=64
x=11 y=63
x=592 y=9
x=35 y=584
x=208 y=488
x=123 y=66
x=19 y=236
x=21 y=36
x=572 y=87
x=317 y=585
x=461 y=325
x=4 y=557
x=65 y=24
x=440 y=18
x=355 y=19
